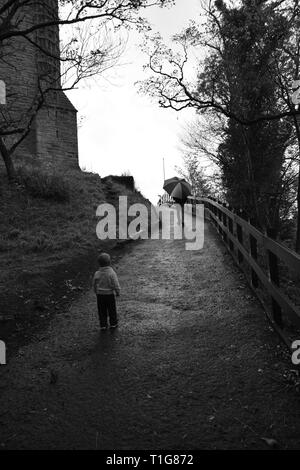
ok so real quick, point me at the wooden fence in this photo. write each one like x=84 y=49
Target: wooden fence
x=260 y=257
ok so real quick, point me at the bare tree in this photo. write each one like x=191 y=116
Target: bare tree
x=91 y=44
x=169 y=82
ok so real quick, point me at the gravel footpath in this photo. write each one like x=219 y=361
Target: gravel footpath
x=193 y=365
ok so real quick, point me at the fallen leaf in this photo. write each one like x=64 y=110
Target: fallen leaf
x=270 y=442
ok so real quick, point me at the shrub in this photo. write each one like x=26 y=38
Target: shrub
x=45 y=185
x=37 y=243
x=42 y=243
x=13 y=233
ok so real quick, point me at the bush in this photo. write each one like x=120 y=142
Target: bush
x=37 y=243
x=44 y=185
x=42 y=242
x=13 y=233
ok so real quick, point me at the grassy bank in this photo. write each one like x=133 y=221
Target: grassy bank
x=48 y=242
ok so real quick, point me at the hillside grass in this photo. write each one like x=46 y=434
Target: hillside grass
x=48 y=233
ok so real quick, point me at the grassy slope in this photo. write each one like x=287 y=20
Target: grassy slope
x=48 y=248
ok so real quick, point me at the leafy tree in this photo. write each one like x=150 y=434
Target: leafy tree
x=196 y=176
x=238 y=84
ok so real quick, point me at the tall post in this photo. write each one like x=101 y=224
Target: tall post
x=230 y=226
x=239 y=232
x=274 y=278
x=253 y=252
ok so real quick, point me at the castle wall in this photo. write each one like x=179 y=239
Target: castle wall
x=21 y=83
x=47 y=63
x=52 y=140
x=56 y=131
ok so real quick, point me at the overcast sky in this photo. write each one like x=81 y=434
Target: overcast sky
x=122 y=130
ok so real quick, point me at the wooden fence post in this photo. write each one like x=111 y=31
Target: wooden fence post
x=230 y=226
x=224 y=220
x=253 y=252
x=220 y=219
x=274 y=277
x=216 y=214
x=239 y=232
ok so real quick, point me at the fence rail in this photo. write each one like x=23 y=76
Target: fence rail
x=249 y=247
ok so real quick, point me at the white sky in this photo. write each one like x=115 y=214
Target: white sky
x=125 y=131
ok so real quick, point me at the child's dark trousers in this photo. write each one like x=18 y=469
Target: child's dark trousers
x=107 y=309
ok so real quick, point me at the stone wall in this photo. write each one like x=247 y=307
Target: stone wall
x=56 y=135
x=53 y=136
x=127 y=181
x=17 y=66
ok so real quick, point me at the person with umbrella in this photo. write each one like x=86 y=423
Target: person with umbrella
x=179 y=190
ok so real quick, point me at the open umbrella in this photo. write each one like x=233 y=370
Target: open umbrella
x=170 y=184
x=177 y=188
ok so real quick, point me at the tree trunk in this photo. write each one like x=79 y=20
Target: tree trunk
x=11 y=173
x=298 y=215
x=297 y=247
x=255 y=212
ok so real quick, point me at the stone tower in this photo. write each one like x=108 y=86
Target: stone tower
x=31 y=65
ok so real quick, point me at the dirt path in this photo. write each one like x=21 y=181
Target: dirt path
x=193 y=365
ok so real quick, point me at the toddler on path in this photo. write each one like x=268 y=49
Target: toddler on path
x=106 y=285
